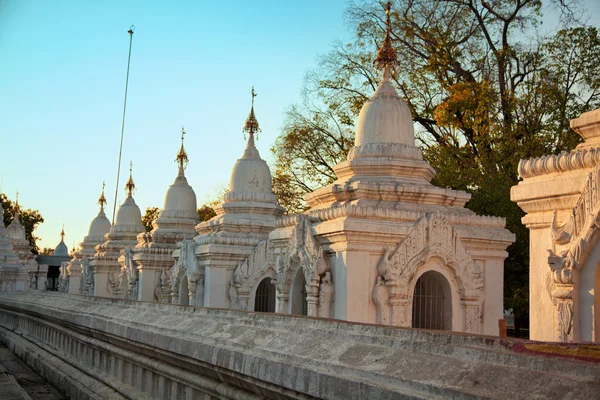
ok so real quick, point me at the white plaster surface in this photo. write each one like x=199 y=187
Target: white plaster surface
x=109 y=348
x=560 y=194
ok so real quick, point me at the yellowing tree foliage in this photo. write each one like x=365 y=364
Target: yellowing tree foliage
x=485 y=88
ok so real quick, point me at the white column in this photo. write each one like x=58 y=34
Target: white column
x=493 y=304
x=101 y=282
x=353 y=295
x=216 y=287
x=74 y=278
x=148 y=281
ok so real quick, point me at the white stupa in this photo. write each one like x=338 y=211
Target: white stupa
x=153 y=254
x=122 y=234
x=78 y=271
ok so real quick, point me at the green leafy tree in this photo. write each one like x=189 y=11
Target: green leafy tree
x=485 y=90
x=150 y=216
x=206 y=212
x=29 y=218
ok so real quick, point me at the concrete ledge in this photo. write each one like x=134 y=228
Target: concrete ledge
x=230 y=354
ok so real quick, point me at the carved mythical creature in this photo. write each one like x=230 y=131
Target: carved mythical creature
x=380 y=298
x=561 y=234
x=234 y=286
x=161 y=292
x=129 y=274
x=325 y=295
x=112 y=283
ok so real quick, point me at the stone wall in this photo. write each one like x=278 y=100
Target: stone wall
x=108 y=348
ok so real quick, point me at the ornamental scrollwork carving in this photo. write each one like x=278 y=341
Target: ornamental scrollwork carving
x=565 y=161
x=247 y=274
x=304 y=254
x=574 y=240
x=129 y=274
x=162 y=290
x=431 y=237
x=185 y=265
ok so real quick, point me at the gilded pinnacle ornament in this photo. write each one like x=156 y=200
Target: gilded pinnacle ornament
x=129 y=186
x=386 y=55
x=16 y=208
x=62 y=233
x=251 y=125
x=182 y=157
x=102 y=199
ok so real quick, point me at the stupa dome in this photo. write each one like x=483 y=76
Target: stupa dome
x=16 y=230
x=385 y=118
x=100 y=225
x=129 y=213
x=250 y=173
x=61 y=249
x=180 y=195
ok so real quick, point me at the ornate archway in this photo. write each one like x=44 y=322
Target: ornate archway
x=432 y=302
x=298 y=295
x=248 y=274
x=432 y=238
x=185 y=267
x=264 y=298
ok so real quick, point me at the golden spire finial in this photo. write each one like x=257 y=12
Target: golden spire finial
x=182 y=158
x=251 y=125
x=62 y=233
x=386 y=59
x=129 y=186
x=16 y=207
x=102 y=199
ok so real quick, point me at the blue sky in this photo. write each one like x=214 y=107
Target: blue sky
x=62 y=76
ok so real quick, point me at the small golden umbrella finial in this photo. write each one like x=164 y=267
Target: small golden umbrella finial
x=62 y=233
x=102 y=199
x=16 y=207
x=251 y=125
x=182 y=157
x=386 y=59
x=129 y=186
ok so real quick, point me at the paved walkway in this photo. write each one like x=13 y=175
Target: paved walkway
x=19 y=382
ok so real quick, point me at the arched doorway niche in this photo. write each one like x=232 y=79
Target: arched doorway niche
x=298 y=303
x=184 y=298
x=264 y=296
x=268 y=276
x=436 y=272
x=432 y=302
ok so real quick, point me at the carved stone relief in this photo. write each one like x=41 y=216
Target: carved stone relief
x=247 y=275
x=305 y=252
x=572 y=243
x=185 y=266
x=431 y=237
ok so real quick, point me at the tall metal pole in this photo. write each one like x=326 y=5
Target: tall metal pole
x=130 y=31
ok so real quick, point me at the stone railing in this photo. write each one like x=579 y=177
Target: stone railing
x=563 y=162
x=93 y=348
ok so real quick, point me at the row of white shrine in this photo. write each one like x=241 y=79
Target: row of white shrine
x=380 y=245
